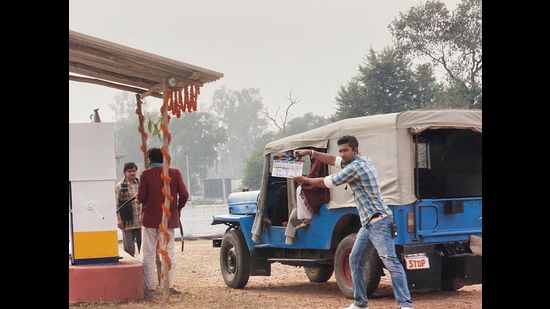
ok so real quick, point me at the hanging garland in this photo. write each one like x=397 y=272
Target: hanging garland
x=166 y=178
x=141 y=130
x=177 y=102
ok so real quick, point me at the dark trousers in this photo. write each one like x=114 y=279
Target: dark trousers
x=128 y=238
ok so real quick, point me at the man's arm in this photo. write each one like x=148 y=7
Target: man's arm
x=330 y=181
x=316 y=182
x=321 y=156
x=142 y=191
x=344 y=176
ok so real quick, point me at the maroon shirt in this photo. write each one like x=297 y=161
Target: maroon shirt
x=151 y=197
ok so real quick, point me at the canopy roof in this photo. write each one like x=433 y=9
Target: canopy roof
x=387 y=140
x=122 y=67
x=416 y=121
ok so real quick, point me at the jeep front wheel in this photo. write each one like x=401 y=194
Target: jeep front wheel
x=234 y=260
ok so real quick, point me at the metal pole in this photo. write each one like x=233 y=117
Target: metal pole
x=223 y=182
x=223 y=188
x=188 y=179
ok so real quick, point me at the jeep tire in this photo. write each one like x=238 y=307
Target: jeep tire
x=234 y=259
x=319 y=273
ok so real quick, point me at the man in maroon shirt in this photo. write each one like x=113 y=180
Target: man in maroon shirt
x=151 y=197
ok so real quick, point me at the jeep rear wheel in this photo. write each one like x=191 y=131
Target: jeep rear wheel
x=342 y=269
x=234 y=260
x=320 y=273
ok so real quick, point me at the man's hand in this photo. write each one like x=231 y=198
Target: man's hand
x=321 y=156
x=301 y=153
x=119 y=224
x=299 y=179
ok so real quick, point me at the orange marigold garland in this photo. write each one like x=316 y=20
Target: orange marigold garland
x=197 y=92
x=141 y=130
x=178 y=100
x=192 y=99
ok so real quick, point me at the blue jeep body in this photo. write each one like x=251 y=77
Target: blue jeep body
x=433 y=225
x=435 y=229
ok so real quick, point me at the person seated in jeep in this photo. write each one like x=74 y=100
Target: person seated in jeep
x=308 y=201
x=310 y=198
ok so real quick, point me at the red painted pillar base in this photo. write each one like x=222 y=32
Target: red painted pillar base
x=122 y=281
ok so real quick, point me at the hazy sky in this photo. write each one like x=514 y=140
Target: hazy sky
x=309 y=47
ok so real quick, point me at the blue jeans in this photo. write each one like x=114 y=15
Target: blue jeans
x=377 y=234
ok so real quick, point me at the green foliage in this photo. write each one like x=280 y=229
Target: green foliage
x=451 y=44
x=153 y=126
x=351 y=100
x=253 y=170
x=451 y=41
x=386 y=83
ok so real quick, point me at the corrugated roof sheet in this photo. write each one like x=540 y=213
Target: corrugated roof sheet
x=108 y=61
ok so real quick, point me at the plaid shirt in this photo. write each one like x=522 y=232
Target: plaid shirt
x=132 y=190
x=362 y=177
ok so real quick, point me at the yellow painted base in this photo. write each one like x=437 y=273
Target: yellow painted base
x=98 y=244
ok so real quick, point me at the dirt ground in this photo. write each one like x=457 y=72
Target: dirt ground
x=199 y=277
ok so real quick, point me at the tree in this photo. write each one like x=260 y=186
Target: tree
x=240 y=113
x=127 y=137
x=386 y=83
x=449 y=41
x=196 y=138
x=282 y=121
x=289 y=125
x=351 y=101
x=430 y=93
x=286 y=125
x=253 y=170
x=308 y=121
x=254 y=163
x=124 y=106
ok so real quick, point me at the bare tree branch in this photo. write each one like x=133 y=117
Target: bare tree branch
x=273 y=119
x=473 y=67
x=283 y=120
x=444 y=63
x=478 y=65
x=287 y=111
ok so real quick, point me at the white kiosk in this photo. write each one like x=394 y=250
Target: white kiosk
x=92 y=205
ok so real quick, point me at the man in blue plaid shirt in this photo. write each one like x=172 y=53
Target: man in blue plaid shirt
x=376 y=217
